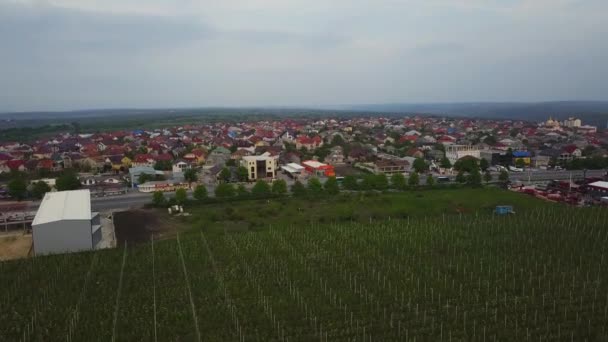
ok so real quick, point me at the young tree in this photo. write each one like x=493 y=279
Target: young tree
x=503 y=176
x=279 y=187
x=241 y=191
x=298 y=189
x=420 y=165
x=368 y=182
x=17 y=188
x=224 y=190
x=314 y=186
x=483 y=164
x=190 y=175
x=467 y=164
x=242 y=174
x=460 y=177
x=398 y=181
x=350 y=183
x=381 y=182
x=261 y=189
x=430 y=181
x=39 y=189
x=200 y=192
x=181 y=196
x=445 y=163
x=414 y=179
x=67 y=181
x=225 y=175
x=487 y=177
x=474 y=178
x=158 y=199
x=143 y=177
x=331 y=186
x=163 y=165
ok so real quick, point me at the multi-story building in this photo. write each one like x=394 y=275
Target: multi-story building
x=260 y=167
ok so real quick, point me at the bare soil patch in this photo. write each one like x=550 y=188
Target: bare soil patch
x=15 y=246
x=139 y=226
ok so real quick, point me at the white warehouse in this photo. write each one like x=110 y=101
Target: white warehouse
x=64 y=223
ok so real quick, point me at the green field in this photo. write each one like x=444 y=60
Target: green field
x=431 y=274
x=357 y=207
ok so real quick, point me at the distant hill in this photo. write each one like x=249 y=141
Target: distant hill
x=590 y=112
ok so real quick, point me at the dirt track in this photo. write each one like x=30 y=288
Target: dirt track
x=137 y=226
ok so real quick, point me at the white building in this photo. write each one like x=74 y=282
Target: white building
x=455 y=152
x=64 y=223
x=259 y=167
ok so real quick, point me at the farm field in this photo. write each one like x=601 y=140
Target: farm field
x=537 y=275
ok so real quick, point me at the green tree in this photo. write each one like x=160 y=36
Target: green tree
x=466 y=164
x=460 y=177
x=158 y=199
x=503 y=176
x=398 y=181
x=420 y=165
x=163 y=165
x=279 y=187
x=350 y=183
x=430 y=181
x=144 y=177
x=368 y=182
x=181 y=196
x=261 y=189
x=224 y=190
x=190 y=175
x=487 y=177
x=380 y=182
x=483 y=164
x=241 y=191
x=200 y=192
x=331 y=186
x=519 y=162
x=314 y=186
x=298 y=189
x=242 y=174
x=337 y=140
x=67 y=181
x=414 y=179
x=474 y=178
x=17 y=188
x=225 y=175
x=39 y=189
x=445 y=163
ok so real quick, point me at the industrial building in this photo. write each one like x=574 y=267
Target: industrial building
x=64 y=223
x=260 y=167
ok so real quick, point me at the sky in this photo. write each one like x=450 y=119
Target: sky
x=85 y=54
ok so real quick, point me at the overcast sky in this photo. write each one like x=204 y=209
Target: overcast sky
x=76 y=54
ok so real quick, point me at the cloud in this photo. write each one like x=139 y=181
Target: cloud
x=64 y=54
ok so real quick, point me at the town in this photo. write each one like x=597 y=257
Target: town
x=528 y=155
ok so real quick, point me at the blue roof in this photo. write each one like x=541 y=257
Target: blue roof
x=521 y=154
